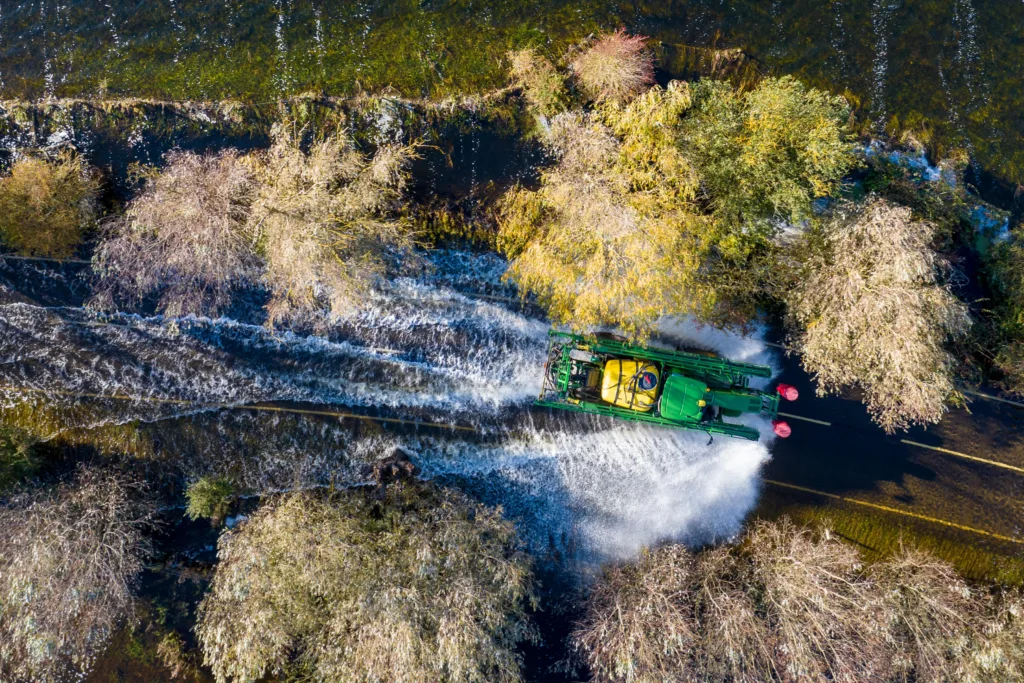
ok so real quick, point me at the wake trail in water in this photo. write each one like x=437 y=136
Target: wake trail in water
x=416 y=344
x=592 y=486
x=451 y=356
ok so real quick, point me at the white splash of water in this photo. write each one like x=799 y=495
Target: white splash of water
x=47 y=37
x=838 y=39
x=108 y=21
x=615 y=489
x=283 y=76
x=968 y=55
x=319 y=37
x=413 y=347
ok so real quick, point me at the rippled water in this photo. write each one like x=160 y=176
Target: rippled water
x=949 y=68
x=428 y=348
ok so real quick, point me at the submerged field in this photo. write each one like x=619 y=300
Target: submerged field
x=944 y=71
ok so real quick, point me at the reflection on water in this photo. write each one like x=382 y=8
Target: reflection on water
x=948 y=67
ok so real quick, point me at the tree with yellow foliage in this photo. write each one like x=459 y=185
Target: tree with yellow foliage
x=639 y=219
x=48 y=205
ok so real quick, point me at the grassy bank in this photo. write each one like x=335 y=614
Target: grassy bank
x=878 y=534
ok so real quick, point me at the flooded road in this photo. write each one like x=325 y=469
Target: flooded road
x=236 y=398
x=268 y=408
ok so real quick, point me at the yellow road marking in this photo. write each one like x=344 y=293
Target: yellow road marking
x=806 y=419
x=42 y=258
x=256 y=407
x=897 y=511
x=993 y=463
x=994 y=398
x=963 y=455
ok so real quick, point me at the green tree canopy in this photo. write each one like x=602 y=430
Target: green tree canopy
x=767 y=153
x=659 y=207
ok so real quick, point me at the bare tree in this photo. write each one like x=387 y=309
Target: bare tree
x=869 y=310
x=184 y=237
x=817 y=604
x=630 y=604
x=409 y=584
x=735 y=643
x=69 y=558
x=931 y=615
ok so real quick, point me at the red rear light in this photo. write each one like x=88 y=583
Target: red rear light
x=788 y=392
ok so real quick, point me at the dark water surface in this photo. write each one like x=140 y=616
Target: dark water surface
x=949 y=67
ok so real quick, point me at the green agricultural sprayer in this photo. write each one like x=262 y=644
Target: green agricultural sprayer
x=676 y=389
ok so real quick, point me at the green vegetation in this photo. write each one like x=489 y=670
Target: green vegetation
x=209 y=498
x=18 y=460
x=869 y=310
x=879 y=535
x=262 y=50
x=47 y=206
x=542 y=84
x=69 y=558
x=786 y=603
x=411 y=584
x=765 y=154
x=1006 y=276
x=645 y=215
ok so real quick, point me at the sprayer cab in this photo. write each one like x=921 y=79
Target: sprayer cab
x=646 y=384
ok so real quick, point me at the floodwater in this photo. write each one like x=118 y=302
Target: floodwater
x=451 y=345
x=949 y=70
x=427 y=349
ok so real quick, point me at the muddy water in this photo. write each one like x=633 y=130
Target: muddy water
x=948 y=69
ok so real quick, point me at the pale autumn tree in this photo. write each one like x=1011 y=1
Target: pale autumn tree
x=409 y=585
x=787 y=603
x=70 y=557
x=870 y=309
x=183 y=239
